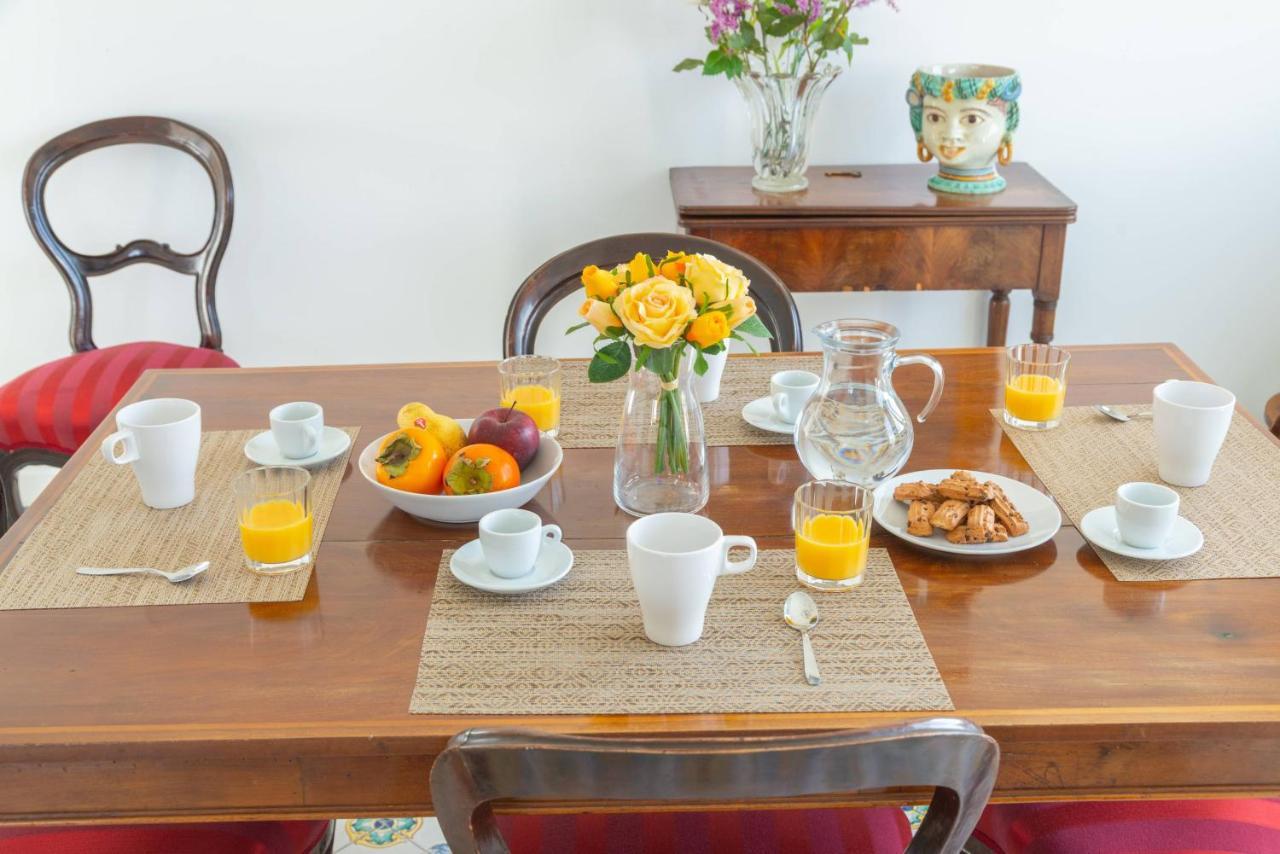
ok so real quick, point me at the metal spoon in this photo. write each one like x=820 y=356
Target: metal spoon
x=177 y=575
x=1112 y=412
x=801 y=614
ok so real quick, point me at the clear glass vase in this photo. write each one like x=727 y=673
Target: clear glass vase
x=660 y=464
x=783 y=107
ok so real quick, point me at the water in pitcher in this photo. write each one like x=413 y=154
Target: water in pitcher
x=855 y=427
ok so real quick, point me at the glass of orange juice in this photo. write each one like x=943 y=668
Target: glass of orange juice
x=832 y=520
x=273 y=507
x=532 y=385
x=1035 y=385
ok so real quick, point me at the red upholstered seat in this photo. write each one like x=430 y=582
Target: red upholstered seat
x=866 y=831
x=1133 y=827
x=243 y=837
x=58 y=404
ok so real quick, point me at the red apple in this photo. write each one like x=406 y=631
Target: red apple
x=510 y=429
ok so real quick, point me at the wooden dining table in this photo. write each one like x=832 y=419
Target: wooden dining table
x=1094 y=688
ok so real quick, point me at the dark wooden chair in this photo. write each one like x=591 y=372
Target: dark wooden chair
x=561 y=276
x=46 y=413
x=481 y=766
x=1272 y=414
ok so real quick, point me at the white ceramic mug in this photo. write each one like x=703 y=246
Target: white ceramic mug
x=790 y=391
x=706 y=388
x=512 y=539
x=160 y=439
x=1191 y=420
x=297 y=428
x=1145 y=513
x=675 y=559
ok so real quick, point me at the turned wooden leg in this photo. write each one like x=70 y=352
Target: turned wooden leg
x=998 y=318
x=1042 y=320
x=1049 y=280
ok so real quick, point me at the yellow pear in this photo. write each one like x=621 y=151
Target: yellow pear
x=444 y=428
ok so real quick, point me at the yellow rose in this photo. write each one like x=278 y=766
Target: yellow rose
x=709 y=329
x=672 y=265
x=743 y=308
x=639 y=268
x=656 y=311
x=599 y=283
x=599 y=315
x=713 y=282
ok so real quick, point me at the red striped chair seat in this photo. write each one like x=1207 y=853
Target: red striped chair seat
x=1133 y=827
x=833 y=831
x=242 y=837
x=57 y=405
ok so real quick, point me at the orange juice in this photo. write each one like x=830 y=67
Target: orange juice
x=538 y=402
x=275 y=531
x=1035 y=397
x=832 y=547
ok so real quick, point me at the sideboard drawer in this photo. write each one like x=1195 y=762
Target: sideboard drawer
x=899 y=258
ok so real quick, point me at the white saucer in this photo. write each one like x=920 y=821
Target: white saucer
x=760 y=413
x=1099 y=527
x=262 y=449
x=468 y=566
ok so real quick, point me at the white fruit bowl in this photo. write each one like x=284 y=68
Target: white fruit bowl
x=466 y=508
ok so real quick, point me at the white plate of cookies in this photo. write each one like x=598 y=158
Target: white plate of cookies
x=966 y=513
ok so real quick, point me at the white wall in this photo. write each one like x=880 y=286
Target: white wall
x=401 y=165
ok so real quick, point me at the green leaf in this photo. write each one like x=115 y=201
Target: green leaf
x=786 y=25
x=643 y=356
x=576 y=327
x=735 y=336
x=610 y=362
x=717 y=62
x=736 y=67
x=700 y=364
x=614 y=332
x=688 y=65
x=715 y=349
x=831 y=40
x=754 y=326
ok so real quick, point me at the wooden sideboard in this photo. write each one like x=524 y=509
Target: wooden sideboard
x=870 y=228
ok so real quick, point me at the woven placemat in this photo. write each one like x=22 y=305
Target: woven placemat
x=591 y=412
x=1088 y=455
x=578 y=647
x=100 y=520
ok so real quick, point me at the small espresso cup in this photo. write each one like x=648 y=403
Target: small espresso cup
x=1145 y=513
x=790 y=391
x=160 y=440
x=512 y=539
x=1191 y=420
x=297 y=428
x=675 y=559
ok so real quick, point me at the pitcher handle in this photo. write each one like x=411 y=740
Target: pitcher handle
x=938 y=381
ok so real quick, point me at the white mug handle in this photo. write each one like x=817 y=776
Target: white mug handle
x=313 y=438
x=780 y=406
x=734 y=567
x=124 y=437
x=551 y=533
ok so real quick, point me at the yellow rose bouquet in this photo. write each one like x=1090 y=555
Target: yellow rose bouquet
x=646 y=312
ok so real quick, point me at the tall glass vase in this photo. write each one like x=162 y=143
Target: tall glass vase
x=783 y=107
x=660 y=464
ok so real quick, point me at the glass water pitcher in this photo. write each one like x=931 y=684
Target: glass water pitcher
x=854 y=427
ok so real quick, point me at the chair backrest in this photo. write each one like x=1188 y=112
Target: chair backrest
x=481 y=766
x=77 y=268
x=560 y=276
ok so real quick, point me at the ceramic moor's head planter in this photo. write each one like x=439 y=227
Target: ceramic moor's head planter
x=965 y=116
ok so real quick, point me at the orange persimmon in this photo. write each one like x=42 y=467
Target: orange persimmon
x=411 y=460
x=480 y=468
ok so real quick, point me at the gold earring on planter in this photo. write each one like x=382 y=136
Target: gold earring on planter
x=924 y=155
x=1005 y=153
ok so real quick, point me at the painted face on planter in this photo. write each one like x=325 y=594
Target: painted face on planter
x=962 y=133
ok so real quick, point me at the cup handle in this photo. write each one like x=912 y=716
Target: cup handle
x=552 y=533
x=313 y=438
x=124 y=437
x=735 y=567
x=780 y=406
